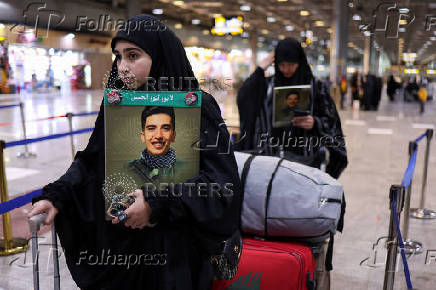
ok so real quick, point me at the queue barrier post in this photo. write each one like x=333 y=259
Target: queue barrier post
x=397 y=193
x=8 y=245
x=26 y=153
x=410 y=246
x=422 y=212
x=70 y=125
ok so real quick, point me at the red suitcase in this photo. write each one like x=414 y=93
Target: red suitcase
x=267 y=265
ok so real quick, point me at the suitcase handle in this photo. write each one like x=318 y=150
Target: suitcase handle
x=36 y=221
x=35 y=224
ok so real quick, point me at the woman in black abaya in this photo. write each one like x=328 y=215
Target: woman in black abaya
x=175 y=253
x=255 y=111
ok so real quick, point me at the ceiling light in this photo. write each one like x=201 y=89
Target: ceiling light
x=217 y=15
x=402 y=29
x=261 y=38
x=403 y=22
x=245 y=8
x=195 y=21
x=356 y=17
x=205 y=32
x=270 y=19
x=178 y=26
x=70 y=36
x=246 y=25
x=350 y=4
x=304 y=13
x=157 y=11
x=264 y=31
x=282 y=0
x=404 y=10
x=178 y=2
x=329 y=30
x=367 y=33
x=319 y=23
x=289 y=27
x=432 y=38
x=281 y=37
x=245 y=34
x=259 y=44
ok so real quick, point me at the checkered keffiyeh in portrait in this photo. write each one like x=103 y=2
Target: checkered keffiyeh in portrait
x=164 y=161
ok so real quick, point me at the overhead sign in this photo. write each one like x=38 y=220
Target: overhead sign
x=223 y=26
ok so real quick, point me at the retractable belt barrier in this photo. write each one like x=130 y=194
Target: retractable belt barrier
x=398 y=200
x=9 y=106
x=10 y=245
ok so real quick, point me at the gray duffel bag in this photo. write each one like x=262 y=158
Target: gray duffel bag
x=288 y=199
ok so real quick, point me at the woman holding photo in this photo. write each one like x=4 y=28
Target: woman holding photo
x=255 y=99
x=188 y=228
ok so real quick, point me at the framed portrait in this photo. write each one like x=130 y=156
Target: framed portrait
x=151 y=140
x=289 y=102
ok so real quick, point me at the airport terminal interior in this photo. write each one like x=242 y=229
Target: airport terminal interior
x=376 y=59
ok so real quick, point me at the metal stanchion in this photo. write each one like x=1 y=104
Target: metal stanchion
x=56 y=276
x=422 y=212
x=26 y=153
x=397 y=193
x=8 y=245
x=70 y=124
x=410 y=246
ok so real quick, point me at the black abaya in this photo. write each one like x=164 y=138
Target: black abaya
x=173 y=252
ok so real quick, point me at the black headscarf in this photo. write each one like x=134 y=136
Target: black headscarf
x=162 y=45
x=290 y=50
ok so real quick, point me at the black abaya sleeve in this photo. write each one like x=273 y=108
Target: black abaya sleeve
x=328 y=125
x=249 y=100
x=68 y=191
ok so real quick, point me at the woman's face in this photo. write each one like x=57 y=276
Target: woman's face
x=133 y=64
x=287 y=68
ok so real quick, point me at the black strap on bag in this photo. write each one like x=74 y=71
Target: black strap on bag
x=329 y=254
x=268 y=194
x=245 y=170
x=244 y=175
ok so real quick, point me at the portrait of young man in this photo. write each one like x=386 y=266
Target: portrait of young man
x=157 y=161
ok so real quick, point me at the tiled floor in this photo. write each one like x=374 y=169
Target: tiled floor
x=377 y=145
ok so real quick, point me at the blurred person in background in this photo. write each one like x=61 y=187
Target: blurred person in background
x=422 y=97
x=392 y=87
x=356 y=87
x=343 y=89
x=255 y=111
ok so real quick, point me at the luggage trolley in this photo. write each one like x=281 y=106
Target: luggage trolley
x=35 y=224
